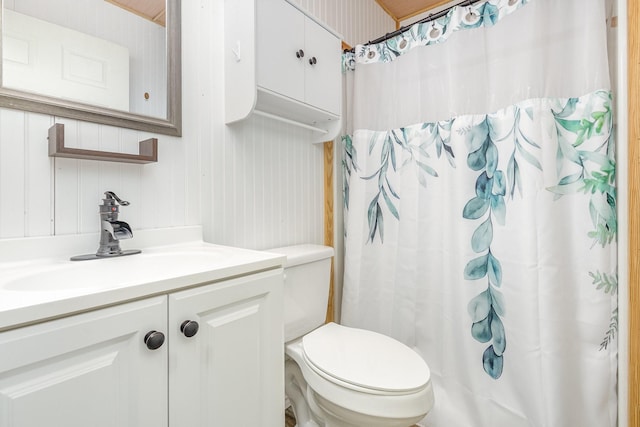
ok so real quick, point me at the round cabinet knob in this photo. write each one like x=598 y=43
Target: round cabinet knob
x=313 y=60
x=300 y=54
x=189 y=328
x=154 y=340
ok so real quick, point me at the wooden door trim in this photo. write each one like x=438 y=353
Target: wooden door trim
x=328 y=220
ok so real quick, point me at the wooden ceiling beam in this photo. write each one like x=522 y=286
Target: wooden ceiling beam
x=409 y=9
x=417 y=12
x=384 y=7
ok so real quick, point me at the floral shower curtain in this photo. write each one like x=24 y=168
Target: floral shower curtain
x=480 y=210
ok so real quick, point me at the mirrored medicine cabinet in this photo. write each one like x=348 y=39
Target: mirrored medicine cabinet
x=114 y=62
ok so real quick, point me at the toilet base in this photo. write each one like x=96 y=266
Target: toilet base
x=336 y=416
x=312 y=410
x=296 y=389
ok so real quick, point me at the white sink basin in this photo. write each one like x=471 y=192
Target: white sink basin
x=39 y=282
x=110 y=273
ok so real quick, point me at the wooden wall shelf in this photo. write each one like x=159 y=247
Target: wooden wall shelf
x=148 y=150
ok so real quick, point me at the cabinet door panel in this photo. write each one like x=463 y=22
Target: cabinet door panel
x=231 y=371
x=91 y=369
x=279 y=69
x=323 y=80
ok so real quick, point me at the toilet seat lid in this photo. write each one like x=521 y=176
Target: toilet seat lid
x=365 y=359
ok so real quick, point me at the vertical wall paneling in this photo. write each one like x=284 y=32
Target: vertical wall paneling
x=258 y=189
x=67 y=196
x=12 y=174
x=38 y=176
x=203 y=109
x=273 y=185
x=175 y=181
x=257 y=184
x=91 y=186
x=357 y=20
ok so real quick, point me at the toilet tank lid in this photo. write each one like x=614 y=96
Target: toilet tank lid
x=303 y=254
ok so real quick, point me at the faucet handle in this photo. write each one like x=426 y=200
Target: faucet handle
x=112 y=195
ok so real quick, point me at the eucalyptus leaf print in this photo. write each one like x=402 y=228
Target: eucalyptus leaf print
x=590 y=170
x=481 y=219
x=349 y=165
x=585 y=165
x=488 y=205
x=399 y=149
x=375 y=216
x=504 y=156
x=607 y=283
x=440 y=134
x=524 y=149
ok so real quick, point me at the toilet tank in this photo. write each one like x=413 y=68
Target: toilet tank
x=306 y=287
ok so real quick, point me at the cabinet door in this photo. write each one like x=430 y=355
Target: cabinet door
x=323 y=79
x=230 y=373
x=280 y=36
x=90 y=369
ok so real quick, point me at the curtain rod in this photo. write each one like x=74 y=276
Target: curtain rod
x=429 y=18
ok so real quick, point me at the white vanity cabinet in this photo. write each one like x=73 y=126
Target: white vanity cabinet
x=230 y=373
x=95 y=369
x=282 y=63
x=91 y=369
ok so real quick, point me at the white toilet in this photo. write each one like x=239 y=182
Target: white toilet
x=337 y=376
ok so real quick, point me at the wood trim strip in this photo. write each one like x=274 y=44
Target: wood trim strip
x=634 y=209
x=148 y=150
x=159 y=18
x=423 y=10
x=398 y=19
x=388 y=12
x=328 y=220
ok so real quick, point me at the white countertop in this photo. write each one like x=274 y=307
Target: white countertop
x=47 y=284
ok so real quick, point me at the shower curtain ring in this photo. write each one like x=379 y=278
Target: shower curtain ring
x=470 y=10
x=430 y=19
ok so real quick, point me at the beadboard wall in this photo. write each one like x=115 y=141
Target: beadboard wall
x=357 y=20
x=255 y=184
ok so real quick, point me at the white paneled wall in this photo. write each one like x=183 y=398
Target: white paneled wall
x=273 y=186
x=266 y=178
x=153 y=189
x=254 y=184
x=357 y=20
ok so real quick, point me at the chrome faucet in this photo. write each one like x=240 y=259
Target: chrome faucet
x=111 y=230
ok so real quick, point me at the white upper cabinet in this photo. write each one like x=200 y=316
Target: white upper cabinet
x=285 y=65
x=299 y=58
x=281 y=49
x=323 y=81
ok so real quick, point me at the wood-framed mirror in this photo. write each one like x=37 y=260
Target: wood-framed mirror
x=113 y=62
